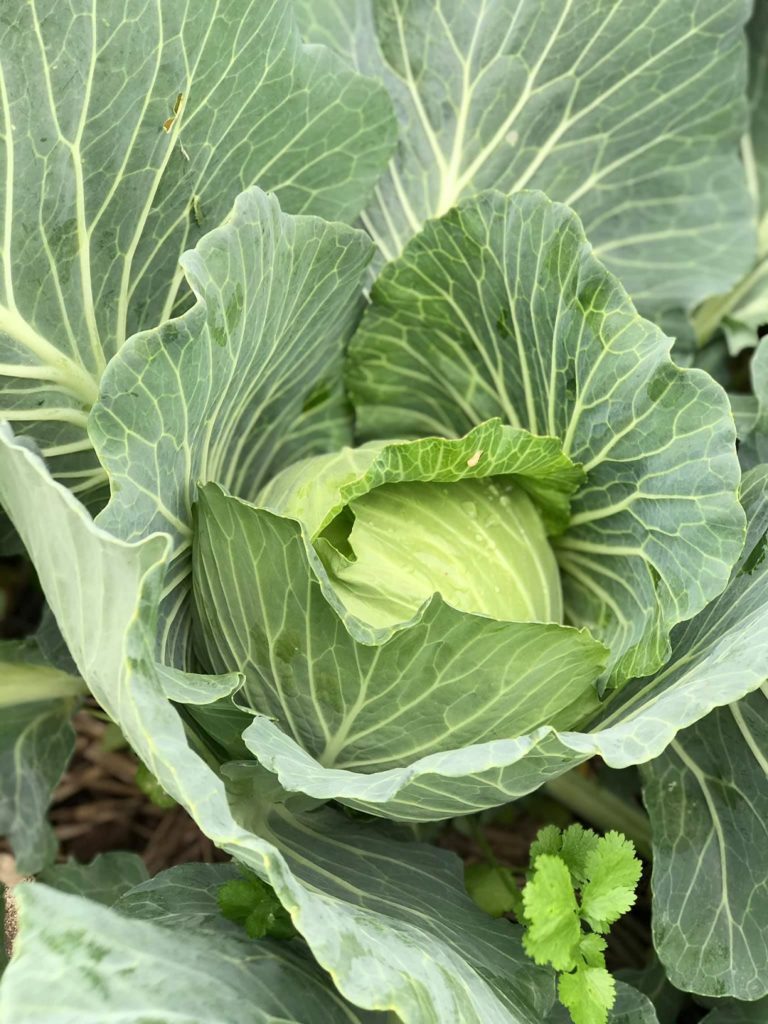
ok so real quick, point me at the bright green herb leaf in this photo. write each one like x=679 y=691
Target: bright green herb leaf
x=578 y=843
x=553 y=930
x=150 y=787
x=592 y=948
x=494 y=889
x=588 y=993
x=253 y=904
x=548 y=840
x=613 y=871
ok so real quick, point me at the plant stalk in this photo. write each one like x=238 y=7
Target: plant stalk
x=602 y=808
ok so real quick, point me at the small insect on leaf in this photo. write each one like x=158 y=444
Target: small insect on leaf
x=473 y=460
x=197 y=210
x=169 y=121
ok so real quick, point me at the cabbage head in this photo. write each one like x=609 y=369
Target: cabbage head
x=539 y=498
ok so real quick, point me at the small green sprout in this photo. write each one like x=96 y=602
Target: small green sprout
x=253 y=904
x=150 y=787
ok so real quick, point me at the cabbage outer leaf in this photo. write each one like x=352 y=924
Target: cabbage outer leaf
x=124 y=135
x=717 y=658
x=707 y=797
x=367 y=700
x=246 y=381
x=630 y=111
x=390 y=920
x=111 y=968
x=36 y=742
x=502 y=303
x=104 y=879
x=733 y=1012
x=745 y=308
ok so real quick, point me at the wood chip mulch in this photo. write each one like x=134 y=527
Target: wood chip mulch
x=97 y=807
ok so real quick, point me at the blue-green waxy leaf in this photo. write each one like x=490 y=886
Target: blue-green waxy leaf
x=753 y=450
x=105 y=879
x=36 y=743
x=630 y=111
x=110 y=968
x=708 y=800
x=706 y=797
x=126 y=132
x=389 y=919
x=500 y=308
x=732 y=1012
x=744 y=309
x=222 y=393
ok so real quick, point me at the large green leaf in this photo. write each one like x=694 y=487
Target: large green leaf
x=628 y=110
x=501 y=309
x=182 y=897
x=446 y=680
x=707 y=797
x=36 y=743
x=109 y=968
x=744 y=309
x=652 y=980
x=753 y=450
x=246 y=381
x=390 y=920
x=731 y=1012
x=107 y=877
x=718 y=657
x=126 y=133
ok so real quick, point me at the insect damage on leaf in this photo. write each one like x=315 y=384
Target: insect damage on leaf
x=170 y=121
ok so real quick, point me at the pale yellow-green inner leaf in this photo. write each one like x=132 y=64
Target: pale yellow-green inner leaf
x=479 y=543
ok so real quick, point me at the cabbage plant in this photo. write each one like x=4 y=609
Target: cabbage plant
x=367 y=490
x=401 y=604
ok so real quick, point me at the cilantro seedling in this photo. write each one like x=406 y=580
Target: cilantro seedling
x=578 y=886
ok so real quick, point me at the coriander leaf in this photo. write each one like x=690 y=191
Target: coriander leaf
x=554 y=930
x=592 y=947
x=578 y=842
x=588 y=993
x=613 y=871
x=548 y=840
x=494 y=889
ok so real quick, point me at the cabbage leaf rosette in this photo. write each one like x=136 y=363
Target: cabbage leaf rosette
x=540 y=497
